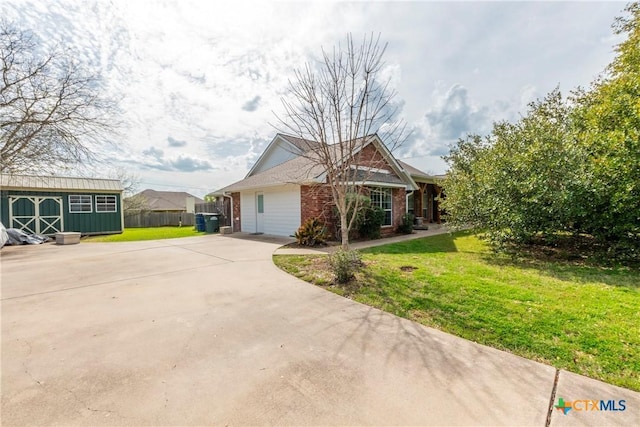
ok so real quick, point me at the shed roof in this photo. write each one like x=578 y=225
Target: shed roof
x=52 y=183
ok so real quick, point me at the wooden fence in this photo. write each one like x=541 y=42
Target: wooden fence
x=163 y=219
x=158 y=219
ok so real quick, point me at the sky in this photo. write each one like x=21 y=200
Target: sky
x=199 y=82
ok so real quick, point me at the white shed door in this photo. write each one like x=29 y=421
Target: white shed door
x=33 y=214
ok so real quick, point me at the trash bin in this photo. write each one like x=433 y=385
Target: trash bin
x=200 y=225
x=212 y=223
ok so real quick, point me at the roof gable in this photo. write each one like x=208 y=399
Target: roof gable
x=281 y=149
x=390 y=160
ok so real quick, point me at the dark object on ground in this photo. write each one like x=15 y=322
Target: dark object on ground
x=19 y=237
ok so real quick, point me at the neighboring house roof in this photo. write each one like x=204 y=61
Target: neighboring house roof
x=51 y=183
x=302 y=169
x=166 y=200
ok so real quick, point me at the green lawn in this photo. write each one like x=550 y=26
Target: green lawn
x=151 y=233
x=581 y=318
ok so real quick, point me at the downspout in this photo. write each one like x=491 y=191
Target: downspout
x=232 y=219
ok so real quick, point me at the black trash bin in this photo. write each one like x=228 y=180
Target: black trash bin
x=200 y=225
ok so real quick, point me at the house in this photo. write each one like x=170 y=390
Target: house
x=167 y=201
x=284 y=187
x=51 y=204
x=424 y=203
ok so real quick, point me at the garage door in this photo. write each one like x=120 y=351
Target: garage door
x=33 y=214
x=273 y=210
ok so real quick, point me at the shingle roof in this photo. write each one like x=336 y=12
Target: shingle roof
x=166 y=200
x=363 y=175
x=415 y=172
x=302 y=169
x=295 y=171
x=33 y=182
x=420 y=176
x=301 y=143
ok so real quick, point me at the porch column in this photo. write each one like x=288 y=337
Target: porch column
x=417 y=199
x=436 y=204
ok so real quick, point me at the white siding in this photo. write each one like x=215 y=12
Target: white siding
x=248 y=211
x=281 y=210
x=278 y=153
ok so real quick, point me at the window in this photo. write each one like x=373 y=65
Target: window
x=79 y=203
x=260 y=203
x=410 y=203
x=106 y=204
x=381 y=197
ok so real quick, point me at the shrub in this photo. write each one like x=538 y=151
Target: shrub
x=345 y=264
x=311 y=233
x=407 y=224
x=369 y=221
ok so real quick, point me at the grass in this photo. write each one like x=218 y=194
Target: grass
x=151 y=233
x=582 y=318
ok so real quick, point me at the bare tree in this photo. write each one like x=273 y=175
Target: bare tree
x=132 y=203
x=52 y=112
x=341 y=103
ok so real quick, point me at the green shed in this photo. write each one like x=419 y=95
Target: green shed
x=49 y=204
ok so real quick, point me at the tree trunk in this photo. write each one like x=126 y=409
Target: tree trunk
x=344 y=231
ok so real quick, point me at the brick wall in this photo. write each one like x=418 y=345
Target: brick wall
x=236 y=212
x=316 y=201
x=399 y=206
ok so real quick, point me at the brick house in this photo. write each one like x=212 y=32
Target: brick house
x=284 y=188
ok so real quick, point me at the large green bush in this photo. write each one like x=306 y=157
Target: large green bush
x=567 y=167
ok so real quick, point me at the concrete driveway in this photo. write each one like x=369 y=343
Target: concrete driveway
x=207 y=331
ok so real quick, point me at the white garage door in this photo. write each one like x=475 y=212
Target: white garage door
x=280 y=210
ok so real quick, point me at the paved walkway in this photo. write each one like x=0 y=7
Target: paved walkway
x=208 y=331
x=417 y=234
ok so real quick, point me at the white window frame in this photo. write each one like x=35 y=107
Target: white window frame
x=383 y=191
x=81 y=203
x=107 y=204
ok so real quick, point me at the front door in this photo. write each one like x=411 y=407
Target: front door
x=259 y=213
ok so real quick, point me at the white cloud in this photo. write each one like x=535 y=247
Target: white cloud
x=211 y=74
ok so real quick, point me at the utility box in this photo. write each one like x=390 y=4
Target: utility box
x=67 y=238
